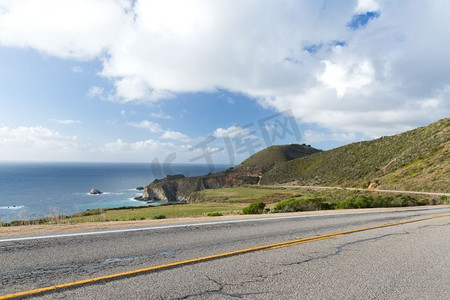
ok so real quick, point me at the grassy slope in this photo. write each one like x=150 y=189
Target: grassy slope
x=243 y=194
x=266 y=159
x=415 y=160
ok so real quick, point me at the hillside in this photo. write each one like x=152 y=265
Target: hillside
x=415 y=160
x=179 y=188
x=268 y=158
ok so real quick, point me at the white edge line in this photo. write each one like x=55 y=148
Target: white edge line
x=196 y=225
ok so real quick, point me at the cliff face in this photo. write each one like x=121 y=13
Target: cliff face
x=180 y=189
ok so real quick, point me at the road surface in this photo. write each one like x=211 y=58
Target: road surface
x=402 y=261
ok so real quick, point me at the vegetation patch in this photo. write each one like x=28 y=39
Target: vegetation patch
x=159 y=217
x=356 y=201
x=303 y=204
x=214 y=214
x=254 y=208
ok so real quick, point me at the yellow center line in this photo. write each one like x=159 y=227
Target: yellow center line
x=307 y=241
x=206 y=258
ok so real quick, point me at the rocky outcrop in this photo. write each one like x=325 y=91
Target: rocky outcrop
x=95 y=192
x=373 y=185
x=180 y=189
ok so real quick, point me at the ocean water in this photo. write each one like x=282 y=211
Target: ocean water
x=35 y=190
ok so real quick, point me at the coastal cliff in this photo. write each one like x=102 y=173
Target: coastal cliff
x=178 y=188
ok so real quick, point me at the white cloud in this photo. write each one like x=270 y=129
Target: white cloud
x=36 y=142
x=147 y=125
x=72 y=29
x=174 y=135
x=161 y=115
x=351 y=75
x=95 y=92
x=367 y=5
x=231 y=131
x=136 y=89
x=376 y=80
x=156 y=128
x=430 y=103
x=66 y=122
x=312 y=136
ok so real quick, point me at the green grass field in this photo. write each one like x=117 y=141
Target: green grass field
x=169 y=211
x=246 y=195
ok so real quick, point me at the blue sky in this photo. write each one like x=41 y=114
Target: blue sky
x=138 y=80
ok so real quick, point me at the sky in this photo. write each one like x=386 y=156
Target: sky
x=206 y=81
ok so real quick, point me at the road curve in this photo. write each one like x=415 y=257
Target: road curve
x=408 y=260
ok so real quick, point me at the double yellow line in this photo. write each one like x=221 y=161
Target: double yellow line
x=205 y=258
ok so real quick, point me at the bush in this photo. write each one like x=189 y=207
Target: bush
x=158 y=217
x=301 y=204
x=214 y=214
x=443 y=199
x=254 y=208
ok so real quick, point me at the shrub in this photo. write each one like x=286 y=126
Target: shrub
x=361 y=201
x=254 y=208
x=214 y=214
x=158 y=217
x=301 y=204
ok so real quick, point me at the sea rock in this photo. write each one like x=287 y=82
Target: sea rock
x=140 y=188
x=95 y=192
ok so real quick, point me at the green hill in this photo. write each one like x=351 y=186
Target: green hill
x=268 y=158
x=415 y=160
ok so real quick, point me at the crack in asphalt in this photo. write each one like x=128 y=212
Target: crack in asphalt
x=341 y=248
x=221 y=286
x=440 y=225
x=71 y=268
x=12 y=247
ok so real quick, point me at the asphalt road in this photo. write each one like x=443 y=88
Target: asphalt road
x=396 y=262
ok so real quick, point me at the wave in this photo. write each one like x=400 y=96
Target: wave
x=14 y=207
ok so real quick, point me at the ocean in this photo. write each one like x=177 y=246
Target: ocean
x=35 y=190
